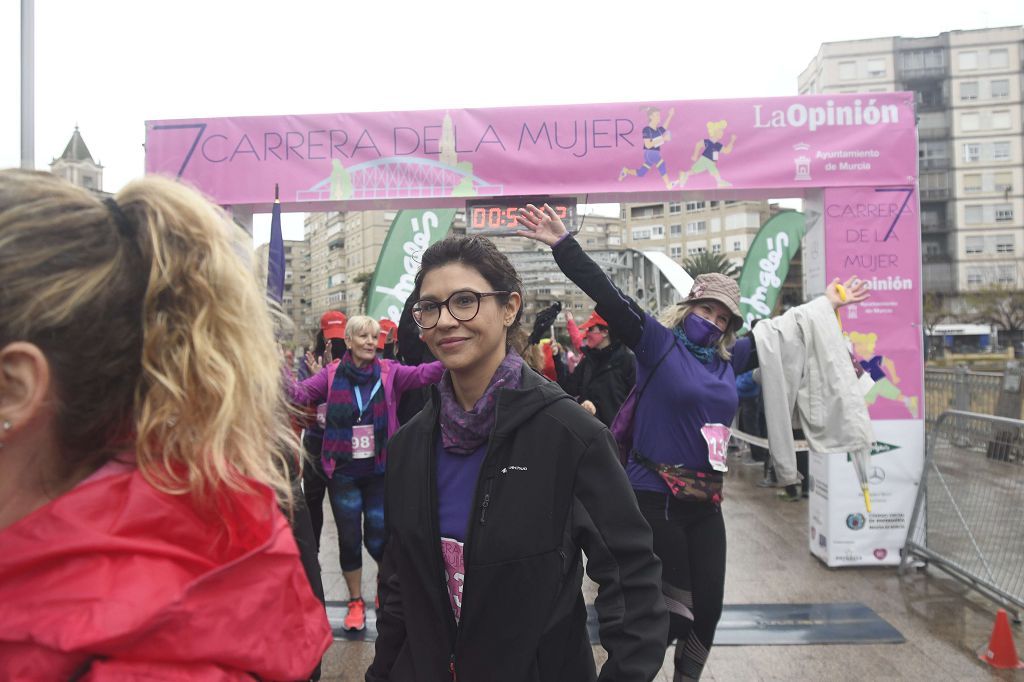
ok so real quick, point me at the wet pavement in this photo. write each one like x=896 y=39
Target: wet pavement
x=768 y=562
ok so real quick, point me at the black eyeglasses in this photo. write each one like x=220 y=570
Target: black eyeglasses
x=462 y=305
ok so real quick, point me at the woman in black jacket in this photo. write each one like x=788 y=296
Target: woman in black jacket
x=493 y=492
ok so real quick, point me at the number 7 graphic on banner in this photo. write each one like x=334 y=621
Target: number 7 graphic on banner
x=906 y=199
x=200 y=127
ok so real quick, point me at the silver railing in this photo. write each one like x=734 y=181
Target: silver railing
x=968 y=518
x=960 y=389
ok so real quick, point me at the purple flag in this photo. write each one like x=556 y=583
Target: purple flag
x=275 y=258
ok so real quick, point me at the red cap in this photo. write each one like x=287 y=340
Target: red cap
x=333 y=324
x=594 y=320
x=386 y=325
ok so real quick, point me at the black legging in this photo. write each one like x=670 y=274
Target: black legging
x=314 y=482
x=689 y=538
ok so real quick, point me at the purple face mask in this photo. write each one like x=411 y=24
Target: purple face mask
x=700 y=331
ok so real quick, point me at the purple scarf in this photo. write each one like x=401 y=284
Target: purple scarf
x=463 y=432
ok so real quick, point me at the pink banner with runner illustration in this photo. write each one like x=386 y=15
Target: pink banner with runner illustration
x=875 y=234
x=599 y=151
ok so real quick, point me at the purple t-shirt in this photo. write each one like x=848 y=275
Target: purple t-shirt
x=682 y=397
x=711 y=150
x=456 y=483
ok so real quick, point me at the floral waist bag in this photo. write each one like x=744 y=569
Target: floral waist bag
x=686 y=484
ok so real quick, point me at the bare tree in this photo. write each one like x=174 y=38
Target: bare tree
x=1002 y=307
x=934 y=311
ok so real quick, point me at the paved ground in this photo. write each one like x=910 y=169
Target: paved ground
x=769 y=562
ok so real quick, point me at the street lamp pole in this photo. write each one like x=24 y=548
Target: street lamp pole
x=28 y=75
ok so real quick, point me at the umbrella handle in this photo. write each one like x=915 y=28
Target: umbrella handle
x=841 y=290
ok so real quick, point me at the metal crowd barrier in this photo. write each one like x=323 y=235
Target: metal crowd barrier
x=960 y=389
x=968 y=518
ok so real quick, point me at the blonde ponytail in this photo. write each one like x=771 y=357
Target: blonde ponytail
x=157 y=331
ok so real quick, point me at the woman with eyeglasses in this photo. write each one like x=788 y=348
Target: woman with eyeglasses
x=361 y=392
x=494 y=491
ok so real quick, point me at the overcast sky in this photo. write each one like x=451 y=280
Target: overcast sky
x=109 y=65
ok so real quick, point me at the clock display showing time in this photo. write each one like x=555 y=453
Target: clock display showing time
x=497 y=217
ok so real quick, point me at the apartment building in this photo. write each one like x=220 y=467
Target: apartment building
x=686 y=228
x=968 y=91
x=342 y=246
x=544 y=283
x=296 y=300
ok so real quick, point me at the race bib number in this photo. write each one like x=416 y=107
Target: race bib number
x=717 y=437
x=714 y=156
x=362 y=441
x=454 y=573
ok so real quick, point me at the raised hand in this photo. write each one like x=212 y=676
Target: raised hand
x=542 y=225
x=314 y=364
x=856 y=290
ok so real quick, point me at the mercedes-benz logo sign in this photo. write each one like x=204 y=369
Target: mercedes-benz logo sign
x=876 y=475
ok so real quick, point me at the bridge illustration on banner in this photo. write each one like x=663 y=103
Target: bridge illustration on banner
x=399 y=177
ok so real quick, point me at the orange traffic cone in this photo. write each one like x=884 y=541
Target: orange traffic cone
x=1001 y=652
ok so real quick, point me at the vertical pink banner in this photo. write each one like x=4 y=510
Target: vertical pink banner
x=875 y=234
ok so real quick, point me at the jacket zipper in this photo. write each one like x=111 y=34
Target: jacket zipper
x=472 y=526
x=487 y=500
x=435 y=527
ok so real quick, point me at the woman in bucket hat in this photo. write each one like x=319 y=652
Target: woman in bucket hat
x=687 y=366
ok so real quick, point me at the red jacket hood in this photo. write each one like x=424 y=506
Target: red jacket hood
x=118 y=571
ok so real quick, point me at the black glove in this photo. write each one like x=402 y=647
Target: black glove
x=545 y=318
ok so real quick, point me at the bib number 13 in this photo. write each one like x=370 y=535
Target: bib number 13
x=717 y=437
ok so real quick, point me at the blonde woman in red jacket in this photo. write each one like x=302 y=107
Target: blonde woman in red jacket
x=144 y=445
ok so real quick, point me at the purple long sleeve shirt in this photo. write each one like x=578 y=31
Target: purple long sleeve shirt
x=682 y=396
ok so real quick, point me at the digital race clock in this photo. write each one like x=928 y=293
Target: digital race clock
x=496 y=217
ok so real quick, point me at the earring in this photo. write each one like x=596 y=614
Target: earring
x=6 y=427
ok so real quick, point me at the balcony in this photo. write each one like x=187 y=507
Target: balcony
x=937 y=163
x=939 y=277
x=934 y=133
x=922 y=73
x=940 y=194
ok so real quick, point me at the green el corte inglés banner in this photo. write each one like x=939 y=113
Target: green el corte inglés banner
x=410 y=234
x=767 y=264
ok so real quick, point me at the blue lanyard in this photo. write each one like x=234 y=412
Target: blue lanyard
x=359 y=398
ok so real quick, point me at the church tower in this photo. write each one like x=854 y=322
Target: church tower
x=76 y=165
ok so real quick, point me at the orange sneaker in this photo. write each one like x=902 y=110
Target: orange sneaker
x=355 y=619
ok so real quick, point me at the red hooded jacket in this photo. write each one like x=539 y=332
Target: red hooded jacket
x=116 y=580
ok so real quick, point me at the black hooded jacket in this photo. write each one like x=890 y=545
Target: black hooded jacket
x=604 y=376
x=550 y=486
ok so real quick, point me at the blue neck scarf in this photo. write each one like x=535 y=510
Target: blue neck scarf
x=704 y=354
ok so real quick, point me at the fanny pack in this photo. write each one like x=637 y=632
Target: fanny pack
x=685 y=483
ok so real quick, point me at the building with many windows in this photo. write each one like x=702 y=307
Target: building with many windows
x=343 y=249
x=686 y=228
x=544 y=283
x=295 y=303
x=968 y=91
